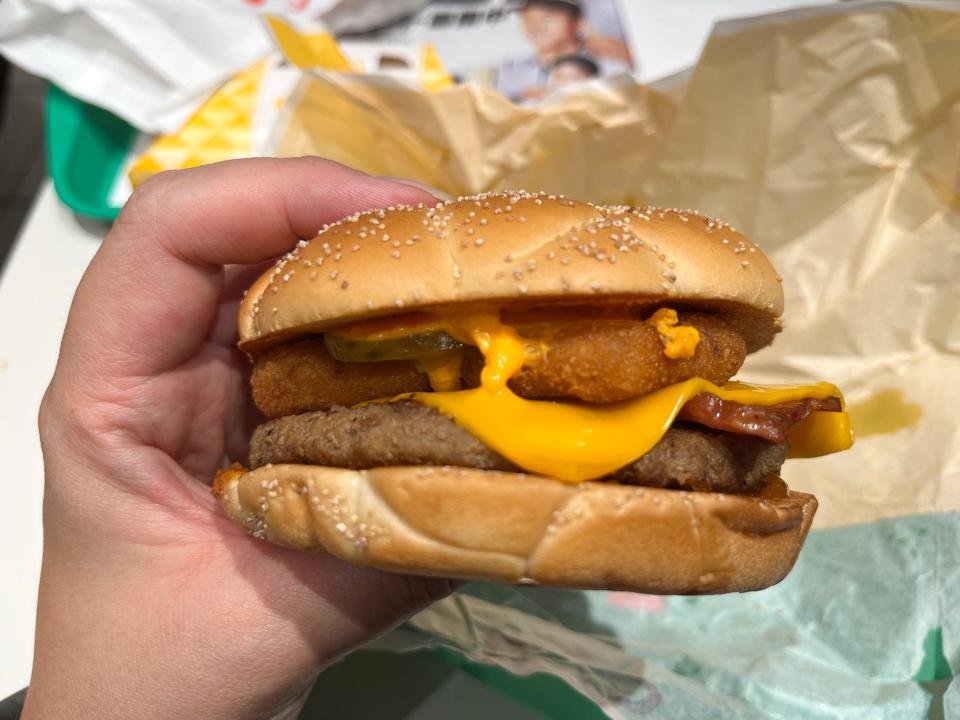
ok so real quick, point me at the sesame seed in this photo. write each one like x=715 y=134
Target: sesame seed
x=395 y=254
x=313 y=274
x=483 y=221
x=744 y=263
x=333 y=274
x=478 y=242
x=523 y=289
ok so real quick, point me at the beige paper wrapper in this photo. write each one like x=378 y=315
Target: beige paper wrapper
x=831 y=139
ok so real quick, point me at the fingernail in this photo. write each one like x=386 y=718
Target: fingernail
x=439 y=194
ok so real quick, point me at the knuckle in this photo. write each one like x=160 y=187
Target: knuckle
x=148 y=199
x=46 y=416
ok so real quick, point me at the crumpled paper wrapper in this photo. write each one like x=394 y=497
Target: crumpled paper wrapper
x=832 y=138
x=469 y=138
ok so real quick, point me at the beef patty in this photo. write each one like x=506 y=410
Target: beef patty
x=408 y=433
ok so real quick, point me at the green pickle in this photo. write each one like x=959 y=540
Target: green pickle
x=433 y=344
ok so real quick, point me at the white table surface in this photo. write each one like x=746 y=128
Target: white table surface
x=36 y=287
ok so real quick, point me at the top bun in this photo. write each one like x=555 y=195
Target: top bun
x=513 y=247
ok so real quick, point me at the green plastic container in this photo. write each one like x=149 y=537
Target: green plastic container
x=87 y=148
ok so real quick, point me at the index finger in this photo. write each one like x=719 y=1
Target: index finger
x=150 y=295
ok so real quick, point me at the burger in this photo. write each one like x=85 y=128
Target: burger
x=525 y=388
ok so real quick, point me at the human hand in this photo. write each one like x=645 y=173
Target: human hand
x=152 y=602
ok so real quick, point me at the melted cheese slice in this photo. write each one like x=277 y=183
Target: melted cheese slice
x=578 y=441
x=575 y=441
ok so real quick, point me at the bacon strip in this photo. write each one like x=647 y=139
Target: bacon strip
x=770 y=423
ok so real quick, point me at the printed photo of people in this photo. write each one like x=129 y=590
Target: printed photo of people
x=570 y=41
x=523 y=48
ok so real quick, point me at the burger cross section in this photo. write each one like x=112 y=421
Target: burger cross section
x=526 y=388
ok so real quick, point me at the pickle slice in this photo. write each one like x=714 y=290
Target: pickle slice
x=433 y=344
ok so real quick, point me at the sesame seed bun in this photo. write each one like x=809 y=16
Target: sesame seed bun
x=458 y=522
x=512 y=248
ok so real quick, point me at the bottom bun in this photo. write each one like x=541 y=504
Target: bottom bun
x=510 y=527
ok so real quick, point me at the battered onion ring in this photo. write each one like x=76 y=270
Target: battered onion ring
x=609 y=360
x=592 y=360
x=301 y=376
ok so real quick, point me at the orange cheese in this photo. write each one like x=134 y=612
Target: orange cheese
x=679 y=341
x=577 y=441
